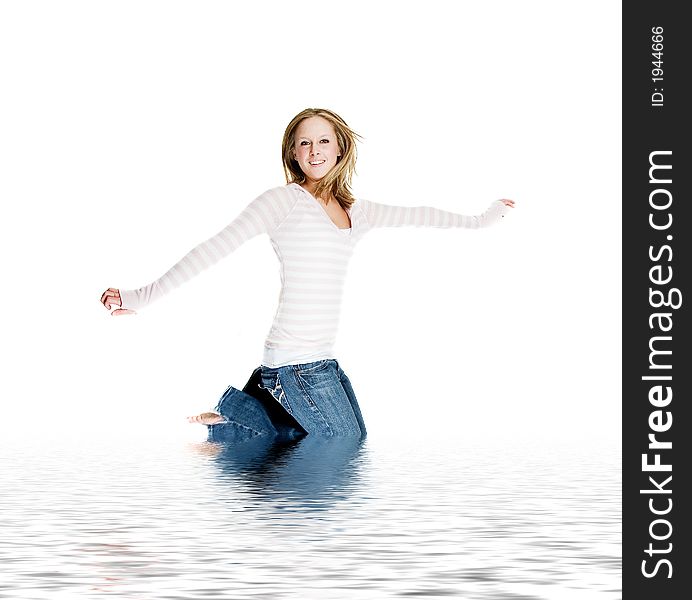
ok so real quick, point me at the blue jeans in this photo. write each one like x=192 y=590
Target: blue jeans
x=289 y=402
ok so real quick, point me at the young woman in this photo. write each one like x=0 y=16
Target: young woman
x=313 y=223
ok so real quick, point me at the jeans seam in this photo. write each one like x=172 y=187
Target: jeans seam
x=242 y=426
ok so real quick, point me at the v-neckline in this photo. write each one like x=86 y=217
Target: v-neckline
x=325 y=213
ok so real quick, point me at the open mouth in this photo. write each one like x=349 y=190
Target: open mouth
x=316 y=163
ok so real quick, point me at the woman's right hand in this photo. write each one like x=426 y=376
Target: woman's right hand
x=110 y=298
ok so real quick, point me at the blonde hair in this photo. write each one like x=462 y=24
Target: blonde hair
x=336 y=183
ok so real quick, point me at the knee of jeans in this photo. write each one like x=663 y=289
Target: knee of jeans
x=224 y=398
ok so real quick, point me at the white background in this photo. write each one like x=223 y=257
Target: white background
x=132 y=131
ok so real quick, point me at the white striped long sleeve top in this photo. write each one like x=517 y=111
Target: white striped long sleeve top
x=313 y=257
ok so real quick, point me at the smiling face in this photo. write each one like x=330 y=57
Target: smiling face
x=316 y=149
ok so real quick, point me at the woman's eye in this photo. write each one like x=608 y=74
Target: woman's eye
x=324 y=141
x=304 y=143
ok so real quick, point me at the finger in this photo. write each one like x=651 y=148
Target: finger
x=123 y=311
x=112 y=301
x=108 y=294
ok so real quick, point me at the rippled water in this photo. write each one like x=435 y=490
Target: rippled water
x=386 y=518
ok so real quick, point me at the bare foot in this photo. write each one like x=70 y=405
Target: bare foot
x=206 y=418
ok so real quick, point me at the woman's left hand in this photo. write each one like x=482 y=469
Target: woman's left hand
x=506 y=202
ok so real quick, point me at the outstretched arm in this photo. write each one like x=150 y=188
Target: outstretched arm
x=384 y=215
x=262 y=215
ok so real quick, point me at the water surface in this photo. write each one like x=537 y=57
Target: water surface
x=386 y=518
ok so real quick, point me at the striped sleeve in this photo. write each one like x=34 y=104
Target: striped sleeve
x=264 y=214
x=384 y=215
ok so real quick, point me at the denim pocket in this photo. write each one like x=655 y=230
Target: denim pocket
x=313 y=367
x=317 y=381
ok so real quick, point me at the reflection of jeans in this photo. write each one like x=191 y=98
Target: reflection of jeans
x=307 y=474
x=288 y=402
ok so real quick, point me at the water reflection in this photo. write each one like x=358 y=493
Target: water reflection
x=345 y=519
x=308 y=473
